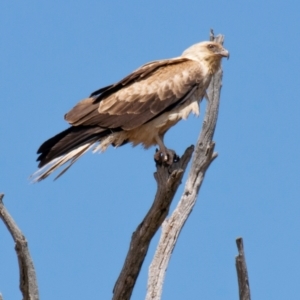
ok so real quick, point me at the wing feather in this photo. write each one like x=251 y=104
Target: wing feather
x=139 y=97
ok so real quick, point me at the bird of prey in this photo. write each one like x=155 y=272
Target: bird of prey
x=138 y=109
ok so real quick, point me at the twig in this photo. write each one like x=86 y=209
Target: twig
x=242 y=273
x=28 y=282
x=168 y=179
x=203 y=156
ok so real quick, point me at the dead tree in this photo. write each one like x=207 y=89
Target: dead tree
x=168 y=180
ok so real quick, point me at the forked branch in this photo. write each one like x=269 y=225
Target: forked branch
x=168 y=180
x=203 y=156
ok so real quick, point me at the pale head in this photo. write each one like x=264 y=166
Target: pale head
x=208 y=53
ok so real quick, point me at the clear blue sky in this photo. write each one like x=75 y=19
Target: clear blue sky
x=55 y=53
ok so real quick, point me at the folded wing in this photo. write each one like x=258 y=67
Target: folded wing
x=138 y=98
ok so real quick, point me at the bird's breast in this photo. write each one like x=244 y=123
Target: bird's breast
x=147 y=133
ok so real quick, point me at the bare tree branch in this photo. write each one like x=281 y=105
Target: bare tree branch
x=242 y=273
x=168 y=179
x=203 y=156
x=28 y=282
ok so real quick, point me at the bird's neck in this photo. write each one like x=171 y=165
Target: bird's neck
x=212 y=63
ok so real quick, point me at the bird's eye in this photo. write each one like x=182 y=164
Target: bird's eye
x=211 y=46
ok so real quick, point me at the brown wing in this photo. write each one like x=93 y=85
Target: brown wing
x=146 y=93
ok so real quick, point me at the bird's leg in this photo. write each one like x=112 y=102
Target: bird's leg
x=164 y=155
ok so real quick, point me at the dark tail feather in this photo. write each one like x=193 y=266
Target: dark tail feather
x=68 y=140
x=67 y=146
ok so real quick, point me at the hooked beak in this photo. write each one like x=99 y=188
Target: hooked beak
x=224 y=53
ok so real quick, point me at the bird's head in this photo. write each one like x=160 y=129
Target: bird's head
x=208 y=53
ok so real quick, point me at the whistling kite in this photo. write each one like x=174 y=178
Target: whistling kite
x=138 y=109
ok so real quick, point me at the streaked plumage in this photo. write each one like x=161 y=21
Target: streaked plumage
x=138 y=109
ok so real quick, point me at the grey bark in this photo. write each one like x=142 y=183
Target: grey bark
x=28 y=282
